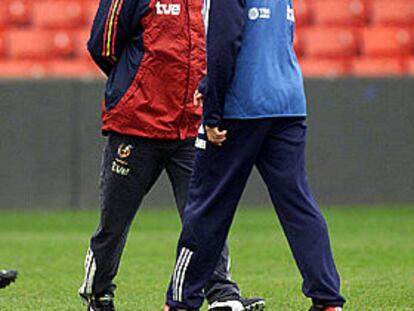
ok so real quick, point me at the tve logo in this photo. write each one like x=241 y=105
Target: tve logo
x=259 y=13
x=290 y=14
x=167 y=9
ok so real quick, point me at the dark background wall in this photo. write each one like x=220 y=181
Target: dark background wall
x=360 y=150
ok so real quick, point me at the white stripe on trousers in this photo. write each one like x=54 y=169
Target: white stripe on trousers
x=182 y=253
x=179 y=273
x=179 y=266
x=90 y=269
x=180 y=288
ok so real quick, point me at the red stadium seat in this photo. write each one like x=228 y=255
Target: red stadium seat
x=396 y=12
x=63 y=44
x=298 y=42
x=303 y=12
x=2 y=46
x=73 y=69
x=19 y=12
x=324 y=68
x=22 y=69
x=89 y=10
x=81 y=38
x=3 y=16
x=340 y=13
x=409 y=66
x=42 y=44
x=14 y=13
x=376 y=67
x=386 y=41
x=53 y=14
x=329 y=42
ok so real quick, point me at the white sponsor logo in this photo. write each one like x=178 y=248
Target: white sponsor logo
x=259 y=13
x=167 y=9
x=119 y=169
x=290 y=14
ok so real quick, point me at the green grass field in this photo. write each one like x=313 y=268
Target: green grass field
x=373 y=247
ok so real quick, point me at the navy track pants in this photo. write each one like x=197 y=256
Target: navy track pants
x=130 y=168
x=277 y=148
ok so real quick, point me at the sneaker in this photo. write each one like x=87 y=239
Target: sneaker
x=322 y=308
x=101 y=303
x=7 y=277
x=237 y=303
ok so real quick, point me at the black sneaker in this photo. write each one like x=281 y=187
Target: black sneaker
x=101 y=303
x=237 y=303
x=324 y=308
x=6 y=277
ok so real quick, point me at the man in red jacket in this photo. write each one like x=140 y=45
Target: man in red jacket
x=153 y=52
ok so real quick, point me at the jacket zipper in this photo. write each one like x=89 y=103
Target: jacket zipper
x=188 y=68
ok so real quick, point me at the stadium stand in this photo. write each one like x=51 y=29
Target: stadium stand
x=372 y=38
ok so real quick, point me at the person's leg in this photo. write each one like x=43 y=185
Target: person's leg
x=220 y=175
x=130 y=167
x=281 y=163
x=179 y=169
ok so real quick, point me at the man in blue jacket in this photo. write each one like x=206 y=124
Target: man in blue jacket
x=153 y=53
x=254 y=115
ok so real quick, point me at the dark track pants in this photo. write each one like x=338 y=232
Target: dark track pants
x=277 y=147
x=130 y=167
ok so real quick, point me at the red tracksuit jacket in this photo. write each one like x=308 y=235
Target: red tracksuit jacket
x=153 y=52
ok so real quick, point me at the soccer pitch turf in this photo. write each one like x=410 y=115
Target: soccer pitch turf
x=373 y=248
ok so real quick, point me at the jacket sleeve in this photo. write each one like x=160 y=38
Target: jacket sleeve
x=202 y=86
x=224 y=35
x=111 y=29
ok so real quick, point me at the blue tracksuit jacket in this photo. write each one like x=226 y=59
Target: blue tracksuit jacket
x=253 y=71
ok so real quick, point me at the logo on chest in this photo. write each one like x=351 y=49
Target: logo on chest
x=167 y=8
x=259 y=13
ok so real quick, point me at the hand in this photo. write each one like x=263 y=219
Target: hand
x=215 y=136
x=198 y=98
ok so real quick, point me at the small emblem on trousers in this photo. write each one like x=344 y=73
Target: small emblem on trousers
x=124 y=151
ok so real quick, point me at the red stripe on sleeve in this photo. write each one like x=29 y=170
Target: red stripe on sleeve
x=105 y=38
x=116 y=26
